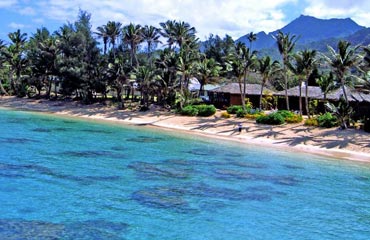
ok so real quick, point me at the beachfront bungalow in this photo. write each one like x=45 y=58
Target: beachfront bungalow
x=358 y=99
x=314 y=92
x=229 y=94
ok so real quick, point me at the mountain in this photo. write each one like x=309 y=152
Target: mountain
x=308 y=29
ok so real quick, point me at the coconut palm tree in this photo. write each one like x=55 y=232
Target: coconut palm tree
x=167 y=31
x=151 y=36
x=326 y=83
x=207 y=71
x=17 y=60
x=113 y=31
x=307 y=60
x=240 y=62
x=267 y=68
x=132 y=35
x=342 y=62
x=286 y=44
x=2 y=61
x=102 y=33
x=251 y=38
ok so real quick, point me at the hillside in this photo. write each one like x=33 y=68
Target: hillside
x=312 y=31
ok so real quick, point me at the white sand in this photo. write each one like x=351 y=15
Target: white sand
x=350 y=144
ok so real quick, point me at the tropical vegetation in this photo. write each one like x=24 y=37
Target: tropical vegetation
x=149 y=64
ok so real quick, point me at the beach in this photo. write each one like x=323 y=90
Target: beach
x=350 y=144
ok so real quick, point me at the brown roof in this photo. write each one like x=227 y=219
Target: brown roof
x=313 y=92
x=233 y=88
x=316 y=93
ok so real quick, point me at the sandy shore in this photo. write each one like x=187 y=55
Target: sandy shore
x=350 y=144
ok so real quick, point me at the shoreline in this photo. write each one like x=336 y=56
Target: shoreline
x=350 y=145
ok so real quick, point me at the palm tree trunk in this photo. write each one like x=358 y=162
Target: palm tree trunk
x=286 y=89
x=3 y=89
x=300 y=99
x=306 y=98
x=344 y=93
x=261 y=94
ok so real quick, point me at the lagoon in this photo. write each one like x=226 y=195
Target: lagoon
x=66 y=178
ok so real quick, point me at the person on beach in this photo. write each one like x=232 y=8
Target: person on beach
x=240 y=127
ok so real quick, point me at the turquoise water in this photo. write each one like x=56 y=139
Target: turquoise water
x=64 y=178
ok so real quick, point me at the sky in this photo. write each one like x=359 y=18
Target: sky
x=233 y=17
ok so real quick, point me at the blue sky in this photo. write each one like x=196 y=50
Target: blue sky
x=233 y=17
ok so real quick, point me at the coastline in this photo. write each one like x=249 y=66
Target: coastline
x=351 y=144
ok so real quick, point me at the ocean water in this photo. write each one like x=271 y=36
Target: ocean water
x=64 y=178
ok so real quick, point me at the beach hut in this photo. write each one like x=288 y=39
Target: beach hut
x=358 y=99
x=229 y=94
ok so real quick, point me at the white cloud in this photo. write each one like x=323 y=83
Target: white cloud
x=234 y=17
x=7 y=3
x=16 y=25
x=29 y=11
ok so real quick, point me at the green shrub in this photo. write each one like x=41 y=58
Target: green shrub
x=311 y=122
x=205 y=110
x=274 y=118
x=285 y=113
x=233 y=109
x=327 y=120
x=225 y=115
x=189 y=111
x=296 y=118
x=241 y=113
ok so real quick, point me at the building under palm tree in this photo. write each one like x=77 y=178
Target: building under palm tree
x=229 y=94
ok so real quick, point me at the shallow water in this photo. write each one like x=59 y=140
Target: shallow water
x=63 y=178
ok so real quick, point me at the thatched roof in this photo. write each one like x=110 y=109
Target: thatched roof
x=316 y=93
x=313 y=92
x=233 y=88
x=352 y=95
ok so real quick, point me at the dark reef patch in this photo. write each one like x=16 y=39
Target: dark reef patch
x=150 y=170
x=93 y=229
x=144 y=139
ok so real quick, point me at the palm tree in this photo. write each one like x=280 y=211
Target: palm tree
x=342 y=62
x=113 y=31
x=102 y=33
x=241 y=62
x=286 y=44
x=133 y=37
x=208 y=70
x=183 y=34
x=168 y=31
x=2 y=60
x=266 y=67
x=306 y=60
x=326 y=83
x=151 y=36
x=145 y=76
x=251 y=38
x=17 y=60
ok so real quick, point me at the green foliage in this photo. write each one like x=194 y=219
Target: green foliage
x=198 y=110
x=189 y=111
x=294 y=119
x=343 y=112
x=255 y=115
x=233 y=109
x=279 y=117
x=327 y=120
x=312 y=106
x=241 y=113
x=311 y=122
x=274 y=118
x=205 y=110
